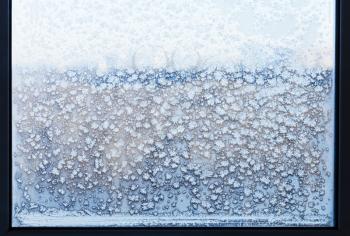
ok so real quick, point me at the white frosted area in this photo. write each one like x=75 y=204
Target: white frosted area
x=174 y=33
x=173 y=113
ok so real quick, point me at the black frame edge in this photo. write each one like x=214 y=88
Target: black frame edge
x=5 y=118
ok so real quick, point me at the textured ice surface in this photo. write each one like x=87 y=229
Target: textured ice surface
x=173 y=113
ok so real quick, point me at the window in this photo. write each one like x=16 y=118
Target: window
x=173 y=113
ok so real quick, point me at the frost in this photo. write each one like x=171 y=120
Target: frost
x=55 y=171
x=239 y=152
x=173 y=139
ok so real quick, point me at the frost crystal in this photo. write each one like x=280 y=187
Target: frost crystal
x=225 y=165
x=172 y=113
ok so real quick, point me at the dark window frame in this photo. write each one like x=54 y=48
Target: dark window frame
x=342 y=160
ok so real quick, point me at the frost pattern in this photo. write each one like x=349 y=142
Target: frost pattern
x=175 y=144
x=173 y=113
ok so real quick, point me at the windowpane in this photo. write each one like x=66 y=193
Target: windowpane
x=173 y=113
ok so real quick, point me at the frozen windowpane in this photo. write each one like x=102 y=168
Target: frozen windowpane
x=173 y=113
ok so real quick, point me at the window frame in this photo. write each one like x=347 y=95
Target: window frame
x=342 y=162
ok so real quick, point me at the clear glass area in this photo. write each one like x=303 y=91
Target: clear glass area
x=173 y=113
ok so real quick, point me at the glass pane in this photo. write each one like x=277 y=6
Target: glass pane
x=173 y=113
